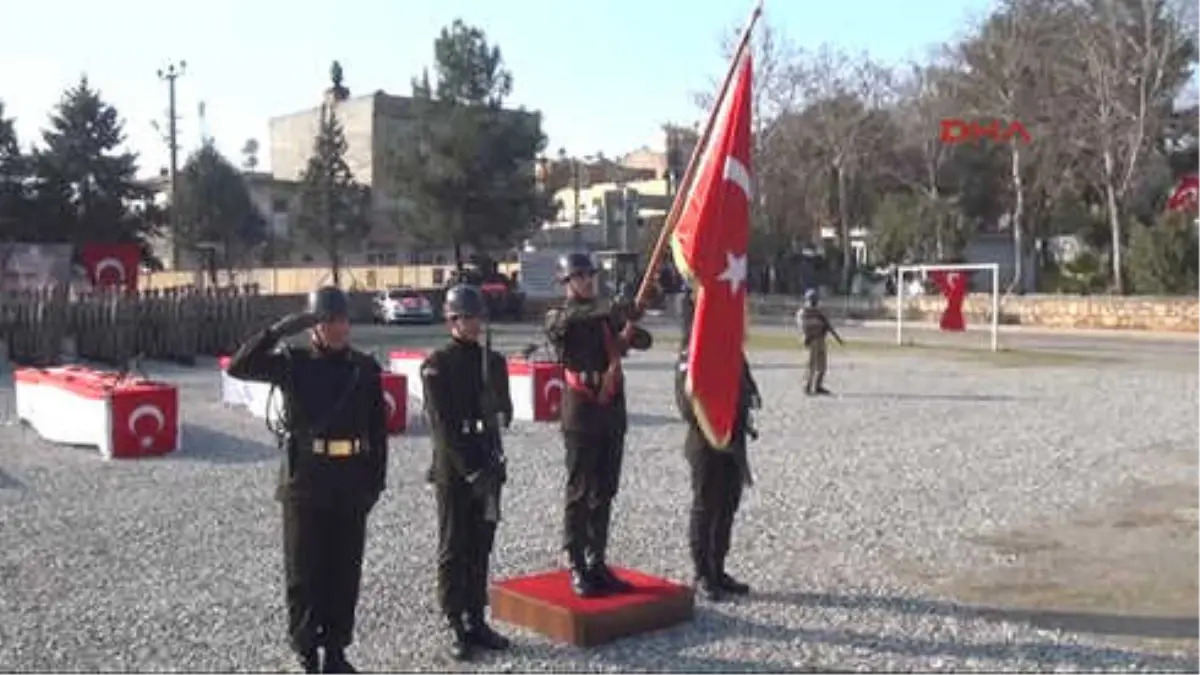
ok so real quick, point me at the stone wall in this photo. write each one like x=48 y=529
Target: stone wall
x=1171 y=314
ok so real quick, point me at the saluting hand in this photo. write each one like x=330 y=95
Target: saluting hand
x=294 y=323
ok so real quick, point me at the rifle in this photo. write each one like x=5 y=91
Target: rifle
x=491 y=434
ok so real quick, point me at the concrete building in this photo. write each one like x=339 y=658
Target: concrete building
x=377 y=127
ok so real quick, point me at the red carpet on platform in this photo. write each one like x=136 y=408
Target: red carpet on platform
x=544 y=602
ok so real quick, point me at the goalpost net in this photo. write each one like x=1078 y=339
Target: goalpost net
x=911 y=286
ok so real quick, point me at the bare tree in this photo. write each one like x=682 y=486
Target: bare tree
x=1133 y=56
x=1005 y=70
x=844 y=99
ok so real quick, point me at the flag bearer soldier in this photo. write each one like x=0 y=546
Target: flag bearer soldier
x=718 y=477
x=815 y=326
x=335 y=440
x=590 y=337
x=466 y=390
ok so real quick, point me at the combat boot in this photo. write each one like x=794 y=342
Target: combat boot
x=458 y=647
x=709 y=588
x=480 y=634
x=822 y=391
x=604 y=578
x=583 y=584
x=335 y=662
x=310 y=661
x=733 y=586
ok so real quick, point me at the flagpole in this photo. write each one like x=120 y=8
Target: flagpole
x=664 y=237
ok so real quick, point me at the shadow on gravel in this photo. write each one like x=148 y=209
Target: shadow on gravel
x=7 y=482
x=652 y=419
x=1092 y=658
x=907 y=396
x=711 y=627
x=206 y=444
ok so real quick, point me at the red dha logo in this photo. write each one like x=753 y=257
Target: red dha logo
x=962 y=131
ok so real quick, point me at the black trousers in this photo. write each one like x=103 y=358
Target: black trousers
x=323 y=556
x=593 y=479
x=716 y=495
x=465 y=542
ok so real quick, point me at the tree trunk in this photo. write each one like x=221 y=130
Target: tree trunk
x=1114 y=221
x=844 y=222
x=1018 y=228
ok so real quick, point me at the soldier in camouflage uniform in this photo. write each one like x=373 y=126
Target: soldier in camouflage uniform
x=815 y=327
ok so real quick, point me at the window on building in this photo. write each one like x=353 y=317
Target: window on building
x=279 y=205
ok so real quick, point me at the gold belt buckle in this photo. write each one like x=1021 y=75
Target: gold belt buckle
x=342 y=448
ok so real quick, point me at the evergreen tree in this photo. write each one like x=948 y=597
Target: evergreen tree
x=14 y=174
x=214 y=205
x=86 y=186
x=470 y=178
x=334 y=208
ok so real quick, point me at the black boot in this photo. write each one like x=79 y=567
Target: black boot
x=709 y=588
x=458 y=646
x=310 y=661
x=480 y=634
x=335 y=662
x=604 y=577
x=733 y=586
x=582 y=582
x=823 y=391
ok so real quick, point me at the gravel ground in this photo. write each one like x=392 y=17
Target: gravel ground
x=174 y=564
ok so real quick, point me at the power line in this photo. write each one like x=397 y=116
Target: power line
x=170 y=74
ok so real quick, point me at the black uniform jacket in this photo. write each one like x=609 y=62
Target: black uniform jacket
x=696 y=445
x=333 y=395
x=454 y=401
x=581 y=332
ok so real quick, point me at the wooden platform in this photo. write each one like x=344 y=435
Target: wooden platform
x=544 y=603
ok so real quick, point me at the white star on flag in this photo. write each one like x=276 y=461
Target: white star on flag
x=735 y=271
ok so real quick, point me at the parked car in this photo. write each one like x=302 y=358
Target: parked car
x=402 y=305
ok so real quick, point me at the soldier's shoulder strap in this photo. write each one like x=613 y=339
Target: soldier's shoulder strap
x=365 y=359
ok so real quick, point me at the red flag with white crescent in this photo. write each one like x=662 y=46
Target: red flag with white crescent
x=1186 y=195
x=710 y=244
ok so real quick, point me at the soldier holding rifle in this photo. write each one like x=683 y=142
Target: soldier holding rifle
x=467 y=400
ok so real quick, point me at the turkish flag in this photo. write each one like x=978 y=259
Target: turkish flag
x=1186 y=194
x=112 y=264
x=710 y=242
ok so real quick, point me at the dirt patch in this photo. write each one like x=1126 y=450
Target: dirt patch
x=1128 y=571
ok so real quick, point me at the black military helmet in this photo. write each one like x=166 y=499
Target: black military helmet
x=328 y=303
x=575 y=264
x=464 y=300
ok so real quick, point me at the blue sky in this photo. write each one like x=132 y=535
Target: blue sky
x=606 y=74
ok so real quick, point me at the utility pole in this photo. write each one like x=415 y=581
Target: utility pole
x=170 y=74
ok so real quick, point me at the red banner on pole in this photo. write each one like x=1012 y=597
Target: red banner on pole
x=953 y=285
x=112 y=264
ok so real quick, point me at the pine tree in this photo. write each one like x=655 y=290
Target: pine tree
x=86 y=185
x=470 y=179
x=14 y=174
x=214 y=206
x=334 y=207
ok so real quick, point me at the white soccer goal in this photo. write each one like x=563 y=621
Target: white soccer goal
x=904 y=276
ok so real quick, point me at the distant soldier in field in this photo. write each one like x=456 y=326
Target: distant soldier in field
x=815 y=326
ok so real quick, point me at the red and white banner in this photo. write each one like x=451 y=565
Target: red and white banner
x=535 y=387
x=112 y=264
x=953 y=286
x=122 y=418
x=710 y=243
x=1186 y=196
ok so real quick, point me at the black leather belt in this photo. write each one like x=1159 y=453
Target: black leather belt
x=336 y=448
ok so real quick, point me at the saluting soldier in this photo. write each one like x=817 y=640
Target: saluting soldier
x=815 y=327
x=591 y=336
x=334 y=468
x=466 y=390
x=718 y=477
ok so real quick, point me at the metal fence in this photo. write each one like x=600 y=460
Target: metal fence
x=48 y=326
